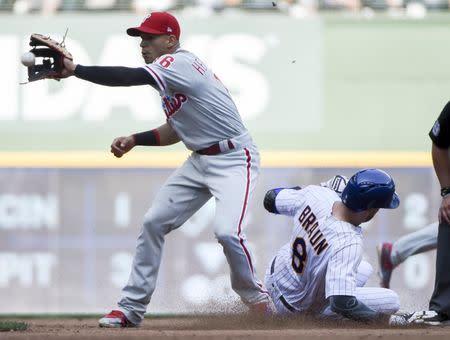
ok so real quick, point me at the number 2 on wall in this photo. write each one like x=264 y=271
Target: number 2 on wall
x=299 y=255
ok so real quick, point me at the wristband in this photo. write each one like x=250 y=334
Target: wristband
x=148 y=138
x=445 y=191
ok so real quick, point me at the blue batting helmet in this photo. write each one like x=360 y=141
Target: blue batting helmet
x=370 y=188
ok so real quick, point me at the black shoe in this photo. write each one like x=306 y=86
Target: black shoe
x=429 y=317
x=438 y=320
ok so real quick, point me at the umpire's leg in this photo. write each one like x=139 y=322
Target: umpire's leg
x=440 y=300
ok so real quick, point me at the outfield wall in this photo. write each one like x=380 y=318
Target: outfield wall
x=300 y=84
x=68 y=235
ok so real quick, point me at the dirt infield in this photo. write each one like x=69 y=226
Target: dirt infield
x=220 y=328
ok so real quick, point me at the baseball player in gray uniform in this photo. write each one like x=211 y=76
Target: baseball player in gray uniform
x=320 y=271
x=390 y=255
x=224 y=163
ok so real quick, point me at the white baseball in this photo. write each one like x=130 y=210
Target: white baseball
x=28 y=59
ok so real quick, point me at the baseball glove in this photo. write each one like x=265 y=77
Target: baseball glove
x=52 y=54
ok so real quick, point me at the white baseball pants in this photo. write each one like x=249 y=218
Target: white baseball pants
x=379 y=299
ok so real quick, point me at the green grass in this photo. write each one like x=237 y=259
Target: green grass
x=8 y=326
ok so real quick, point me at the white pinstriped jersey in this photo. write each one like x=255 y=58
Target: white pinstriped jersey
x=323 y=254
x=196 y=103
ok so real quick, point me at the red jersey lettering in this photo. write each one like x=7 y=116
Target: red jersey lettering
x=173 y=104
x=199 y=66
x=167 y=61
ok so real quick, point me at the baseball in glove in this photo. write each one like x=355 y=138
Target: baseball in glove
x=51 y=53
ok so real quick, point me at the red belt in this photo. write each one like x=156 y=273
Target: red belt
x=214 y=149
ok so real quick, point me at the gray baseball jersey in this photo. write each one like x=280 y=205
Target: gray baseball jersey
x=323 y=254
x=196 y=103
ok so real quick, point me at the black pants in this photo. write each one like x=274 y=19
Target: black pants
x=440 y=300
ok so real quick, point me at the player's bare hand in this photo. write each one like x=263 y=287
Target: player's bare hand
x=444 y=210
x=121 y=145
x=69 y=68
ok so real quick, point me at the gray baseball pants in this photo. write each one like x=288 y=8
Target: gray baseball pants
x=422 y=240
x=230 y=178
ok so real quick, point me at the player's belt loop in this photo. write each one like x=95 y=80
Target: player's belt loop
x=226 y=145
x=217 y=148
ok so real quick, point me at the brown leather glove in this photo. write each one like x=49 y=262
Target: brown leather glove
x=52 y=54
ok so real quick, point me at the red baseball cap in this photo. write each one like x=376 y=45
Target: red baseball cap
x=157 y=23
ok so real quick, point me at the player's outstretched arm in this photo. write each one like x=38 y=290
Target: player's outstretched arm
x=161 y=136
x=351 y=308
x=109 y=75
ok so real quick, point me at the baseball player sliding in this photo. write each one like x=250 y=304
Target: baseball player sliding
x=320 y=270
x=224 y=163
